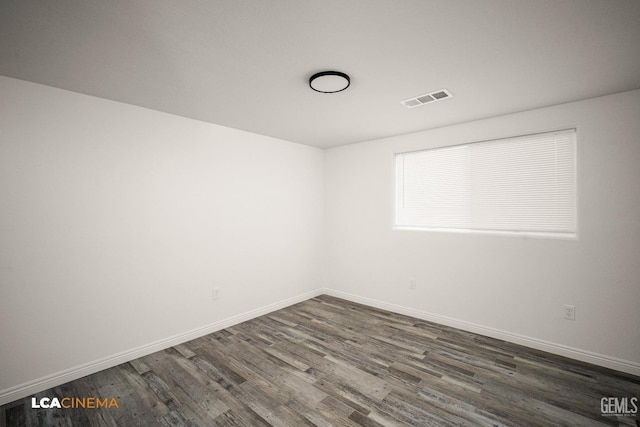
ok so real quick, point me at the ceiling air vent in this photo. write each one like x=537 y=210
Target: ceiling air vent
x=416 y=101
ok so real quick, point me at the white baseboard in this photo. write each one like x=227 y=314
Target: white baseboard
x=550 y=347
x=62 y=377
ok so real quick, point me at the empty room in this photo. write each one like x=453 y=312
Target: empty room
x=336 y=213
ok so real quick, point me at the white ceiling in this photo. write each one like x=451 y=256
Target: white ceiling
x=246 y=63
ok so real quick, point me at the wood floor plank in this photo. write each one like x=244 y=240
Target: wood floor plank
x=112 y=383
x=330 y=362
x=193 y=390
x=85 y=387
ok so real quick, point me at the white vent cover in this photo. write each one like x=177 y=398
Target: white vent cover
x=416 y=101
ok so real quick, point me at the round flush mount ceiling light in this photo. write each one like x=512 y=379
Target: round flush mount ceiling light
x=329 y=81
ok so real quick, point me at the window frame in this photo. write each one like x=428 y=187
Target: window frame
x=509 y=233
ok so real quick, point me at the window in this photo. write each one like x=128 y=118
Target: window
x=525 y=184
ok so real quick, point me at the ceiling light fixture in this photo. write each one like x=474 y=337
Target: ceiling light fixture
x=329 y=82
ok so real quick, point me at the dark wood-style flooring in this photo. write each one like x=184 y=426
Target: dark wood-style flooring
x=330 y=362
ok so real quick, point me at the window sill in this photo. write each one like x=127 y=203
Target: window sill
x=521 y=234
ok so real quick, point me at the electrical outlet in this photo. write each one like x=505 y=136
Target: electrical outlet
x=569 y=312
x=412 y=283
x=215 y=294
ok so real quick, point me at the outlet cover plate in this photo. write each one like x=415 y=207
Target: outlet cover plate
x=569 y=312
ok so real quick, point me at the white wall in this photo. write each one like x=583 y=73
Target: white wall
x=510 y=287
x=117 y=222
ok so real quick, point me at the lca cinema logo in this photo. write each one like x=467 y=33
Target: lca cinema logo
x=74 y=402
x=619 y=406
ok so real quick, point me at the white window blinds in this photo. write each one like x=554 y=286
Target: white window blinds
x=522 y=184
